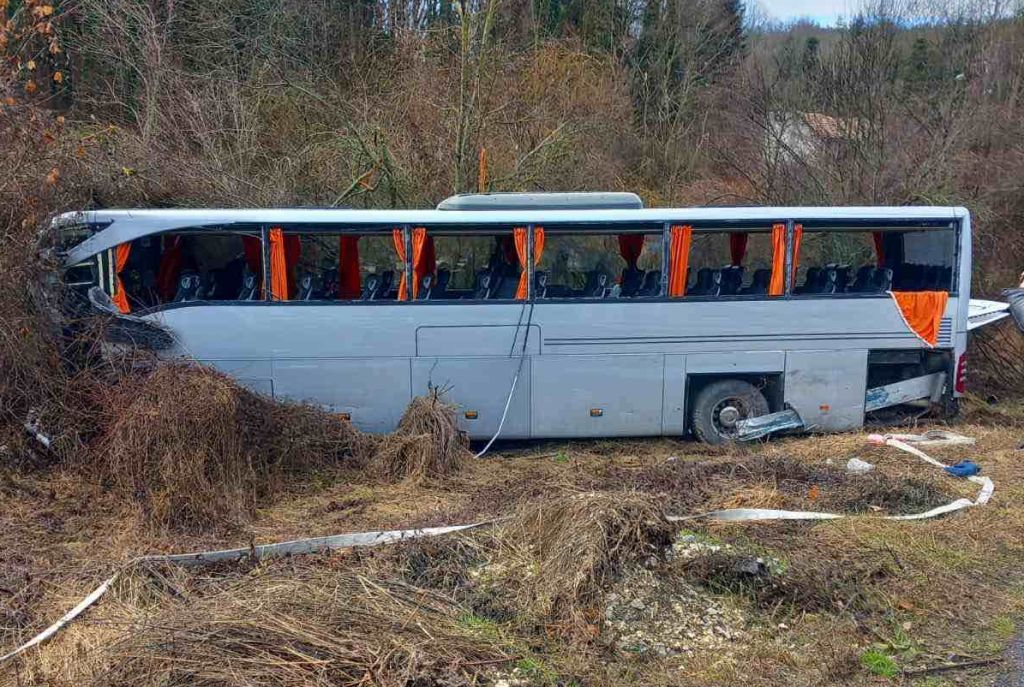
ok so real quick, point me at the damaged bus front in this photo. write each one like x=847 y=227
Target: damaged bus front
x=555 y=315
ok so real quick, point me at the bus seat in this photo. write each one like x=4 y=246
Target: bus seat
x=881 y=280
x=440 y=289
x=371 y=287
x=596 y=285
x=810 y=281
x=189 y=288
x=759 y=283
x=540 y=284
x=329 y=282
x=426 y=286
x=862 y=280
x=828 y=281
x=506 y=288
x=702 y=285
x=732 y=280
x=842 y=278
x=631 y=281
x=387 y=280
x=483 y=285
x=305 y=292
x=250 y=287
x=652 y=285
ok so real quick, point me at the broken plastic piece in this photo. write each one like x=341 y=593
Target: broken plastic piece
x=763 y=425
x=858 y=466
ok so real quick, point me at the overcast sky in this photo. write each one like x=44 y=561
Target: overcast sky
x=824 y=12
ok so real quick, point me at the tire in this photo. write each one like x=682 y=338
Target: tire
x=705 y=417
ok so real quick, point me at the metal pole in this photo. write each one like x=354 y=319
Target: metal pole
x=265 y=257
x=407 y=240
x=788 y=266
x=529 y=261
x=666 y=247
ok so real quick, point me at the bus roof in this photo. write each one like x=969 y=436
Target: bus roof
x=113 y=227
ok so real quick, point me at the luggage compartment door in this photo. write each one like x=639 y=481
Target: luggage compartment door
x=598 y=395
x=479 y=386
x=827 y=388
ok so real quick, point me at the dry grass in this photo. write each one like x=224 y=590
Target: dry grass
x=576 y=544
x=329 y=622
x=427 y=443
x=195 y=450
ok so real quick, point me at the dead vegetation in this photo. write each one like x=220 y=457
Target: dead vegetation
x=328 y=623
x=571 y=547
x=427 y=443
x=193 y=449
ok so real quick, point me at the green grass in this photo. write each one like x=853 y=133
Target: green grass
x=483 y=627
x=879 y=663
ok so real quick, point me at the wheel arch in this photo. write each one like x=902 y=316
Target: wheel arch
x=769 y=383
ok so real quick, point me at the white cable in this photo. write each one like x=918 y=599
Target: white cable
x=515 y=379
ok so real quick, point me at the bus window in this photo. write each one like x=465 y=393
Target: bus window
x=839 y=260
x=345 y=267
x=926 y=260
x=600 y=265
x=190 y=266
x=471 y=266
x=730 y=263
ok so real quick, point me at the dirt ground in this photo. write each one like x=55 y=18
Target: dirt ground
x=852 y=602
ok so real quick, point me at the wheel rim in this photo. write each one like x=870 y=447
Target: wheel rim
x=727 y=413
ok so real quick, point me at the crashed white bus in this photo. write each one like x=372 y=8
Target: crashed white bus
x=554 y=315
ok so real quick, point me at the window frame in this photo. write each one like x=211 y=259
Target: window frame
x=590 y=227
x=896 y=225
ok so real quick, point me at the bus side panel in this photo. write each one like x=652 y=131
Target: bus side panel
x=373 y=391
x=673 y=398
x=479 y=386
x=827 y=388
x=597 y=395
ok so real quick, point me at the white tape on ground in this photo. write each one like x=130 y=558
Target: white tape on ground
x=288 y=548
x=900 y=441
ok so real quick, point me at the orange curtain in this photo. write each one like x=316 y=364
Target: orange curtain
x=776 y=286
x=398 y=238
x=120 y=298
x=278 y=265
x=798 y=234
x=170 y=267
x=737 y=247
x=922 y=311
x=424 y=259
x=422 y=253
x=349 y=285
x=679 y=260
x=519 y=237
x=879 y=247
x=630 y=248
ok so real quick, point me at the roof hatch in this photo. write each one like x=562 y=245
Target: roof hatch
x=542 y=201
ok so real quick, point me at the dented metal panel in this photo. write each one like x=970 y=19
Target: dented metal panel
x=827 y=388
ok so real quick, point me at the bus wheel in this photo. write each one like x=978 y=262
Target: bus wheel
x=720 y=405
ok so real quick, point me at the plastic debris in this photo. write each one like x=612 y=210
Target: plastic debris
x=857 y=466
x=965 y=468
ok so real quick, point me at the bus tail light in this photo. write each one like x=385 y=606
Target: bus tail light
x=961 y=374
